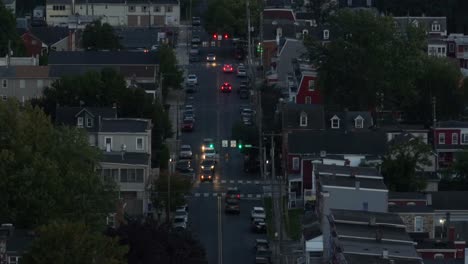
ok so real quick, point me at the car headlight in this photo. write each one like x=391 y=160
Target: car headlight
x=212 y=166
x=209 y=177
x=202 y=176
x=203 y=157
x=202 y=167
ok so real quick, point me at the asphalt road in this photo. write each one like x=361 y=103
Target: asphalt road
x=226 y=238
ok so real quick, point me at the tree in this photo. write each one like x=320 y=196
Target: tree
x=72 y=242
x=97 y=36
x=402 y=162
x=25 y=7
x=457 y=175
x=48 y=173
x=153 y=243
x=8 y=33
x=321 y=9
x=171 y=74
x=179 y=187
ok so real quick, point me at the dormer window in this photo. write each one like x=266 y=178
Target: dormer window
x=359 y=122
x=435 y=26
x=89 y=122
x=303 y=119
x=442 y=138
x=326 y=34
x=80 y=122
x=335 y=122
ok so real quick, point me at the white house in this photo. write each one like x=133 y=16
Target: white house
x=11 y=5
x=138 y=13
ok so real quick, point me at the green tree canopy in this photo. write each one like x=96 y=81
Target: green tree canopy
x=456 y=178
x=172 y=75
x=8 y=33
x=47 y=173
x=180 y=186
x=402 y=162
x=97 y=36
x=370 y=64
x=73 y=243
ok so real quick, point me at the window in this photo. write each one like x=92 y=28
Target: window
x=131 y=175
x=110 y=175
x=169 y=9
x=4 y=83
x=326 y=34
x=295 y=165
x=4 y=97
x=451 y=47
x=139 y=143
x=442 y=138
x=157 y=9
x=13 y=260
x=144 y=9
x=454 y=138
x=308 y=100
x=22 y=84
x=464 y=139
x=439 y=256
x=40 y=84
x=108 y=143
x=89 y=122
x=311 y=85
x=359 y=122
x=418 y=224
x=110 y=220
x=80 y=122
x=131 y=9
x=435 y=26
x=303 y=121
x=335 y=122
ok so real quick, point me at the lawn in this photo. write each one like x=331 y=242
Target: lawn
x=268 y=205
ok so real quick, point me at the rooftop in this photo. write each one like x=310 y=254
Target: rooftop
x=369 y=259
x=355 y=183
x=292 y=114
x=450 y=200
x=347 y=120
x=358 y=172
x=132 y=158
x=370 y=232
x=406 y=196
x=129 y=125
x=365 y=217
x=67 y=115
x=50 y=35
x=139 y=71
x=452 y=124
x=397 y=250
x=101 y=58
x=410 y=209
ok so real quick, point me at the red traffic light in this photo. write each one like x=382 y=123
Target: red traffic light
x=215 y=36
x=226 y=36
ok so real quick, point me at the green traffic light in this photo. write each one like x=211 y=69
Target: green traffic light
x=211 y=145
x=240 y=146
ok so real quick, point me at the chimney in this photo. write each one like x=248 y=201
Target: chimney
x=429 y=199
x=358 y=185
x=385 y=253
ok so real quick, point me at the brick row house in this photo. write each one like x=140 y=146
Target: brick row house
x=450 y=137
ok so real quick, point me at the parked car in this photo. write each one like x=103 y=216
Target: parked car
x=194 y=58
x=241 y=71
x=192 y=79
x=179 y=223
x=196 y=39
x=191 y=88
x=185 y=152
x=188 y=125
x=257 y=212
x=183 y=207
x=184 y=166
x=259 y=225
x=181 y=213
x=189 y=114
x=263 y=252
x=196 y=21
x=244 y=94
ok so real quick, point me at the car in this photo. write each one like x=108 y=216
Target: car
x=209 y=153
x=246 y=111
x=241 y=71
x=181 y=213
x=184 y=166
x=226 y=87
x=259 y=225
x=185 y=152
x=245 y=82
x=207 y=143
x=196 y=21
x=194 y=45
x=262 y=251
x=179 y=223
x=196 y=39
x=257 y=212
x=261 y=245
x=191 y=88
x=210 y=57
x=206 y=175
x=232 y=206
x=228 y=68
x=244 y=94
x=183 y=207
x=192 y=79
x=189 y=114
x=211 y=164
x=188 y=125
x=233 y=193
x=155 y=47
x=189 y=107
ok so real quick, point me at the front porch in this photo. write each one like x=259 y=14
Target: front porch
x=298 y=196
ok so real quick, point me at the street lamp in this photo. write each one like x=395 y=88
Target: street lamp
x=442 y=222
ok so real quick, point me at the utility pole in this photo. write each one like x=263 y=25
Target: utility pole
x=261 y=43
x=248 y=32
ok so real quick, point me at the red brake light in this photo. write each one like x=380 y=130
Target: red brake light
x=226 y=36
x=238 y=196
x=215 y=36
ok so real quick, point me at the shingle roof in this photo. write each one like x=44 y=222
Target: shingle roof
x=450 y=200
x=410 y=209
x=344 y=181
x=288 y=28
x=130 y=125
x=278 y=3
x=364 y=217
x=32 y=71
x=347 y=119
x=354 y=3
x=67 y=115
x=8 y=2
x=423 y=22
x=128 y=158
x=18 y=241
x=131 y=38
x=50 y=35
x=337 y=142
x=279 y=13
x=101 y=58
x=291 y=49
x=50 y=2
x=311 y=232
x=347 y=170
x=7 y=72
x=366 y=231
x=292 y=113
x=452 y=124
x=125 y=1
x=127 y=71
x=368 y=259
x=304 y=16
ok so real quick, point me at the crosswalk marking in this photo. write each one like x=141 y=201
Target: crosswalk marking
x=258 y=196
x=197 y=194
x=257 y=182
x=215 y=194
x=206 y=194
x=248 y=182
x=250 y=195
x=231 y=181
x=240 y=181
x=223 y=181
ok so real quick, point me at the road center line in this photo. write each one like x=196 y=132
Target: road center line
x=220 y=233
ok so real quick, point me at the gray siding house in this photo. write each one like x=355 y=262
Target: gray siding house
x=23 y=82
x=126 y=151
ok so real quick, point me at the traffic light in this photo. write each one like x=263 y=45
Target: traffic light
x=239 y=145
x=259 y=47
x=215 y=36
x=211 y=145
x=226 y=36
